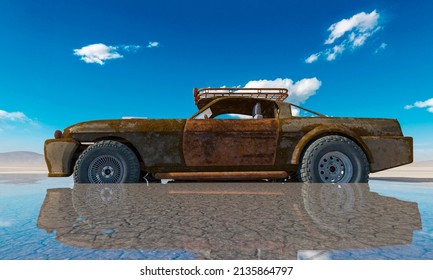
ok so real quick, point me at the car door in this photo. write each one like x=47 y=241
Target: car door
x=230 y=142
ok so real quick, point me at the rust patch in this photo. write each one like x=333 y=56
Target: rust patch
x=298 y=132
x=58 y=156
x=159 y=142
x=389 y=152
x=209 y=142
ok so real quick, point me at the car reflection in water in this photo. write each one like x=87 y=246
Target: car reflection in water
x=229 y=220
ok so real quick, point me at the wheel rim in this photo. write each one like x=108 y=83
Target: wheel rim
x=105 y=169
x=335 y=167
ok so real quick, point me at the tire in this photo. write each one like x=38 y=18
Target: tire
x=333 y=159
x=107 y=162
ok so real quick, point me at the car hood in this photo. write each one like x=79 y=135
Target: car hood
x=123 y=126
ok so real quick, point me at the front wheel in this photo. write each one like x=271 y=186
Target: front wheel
x=333 y=159
x=107 y=162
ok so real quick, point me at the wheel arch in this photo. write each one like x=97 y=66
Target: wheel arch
x=122 y=140
x=322 y=131
x=110 y=155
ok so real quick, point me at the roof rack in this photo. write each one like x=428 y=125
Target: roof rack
x=276 y=94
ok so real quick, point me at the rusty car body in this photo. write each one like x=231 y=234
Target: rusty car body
x=268 y=141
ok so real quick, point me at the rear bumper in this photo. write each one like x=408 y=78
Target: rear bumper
x=59 y=155
x=388 y=152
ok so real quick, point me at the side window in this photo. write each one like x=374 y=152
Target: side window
x=253 y=110
x=206 y=114
x=302 y=112
x=239 y=109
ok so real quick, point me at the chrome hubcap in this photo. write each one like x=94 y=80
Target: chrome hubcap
x=105 y=169
x=107 y=172
x=335 y=167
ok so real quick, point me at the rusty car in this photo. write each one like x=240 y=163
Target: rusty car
x=237 y=134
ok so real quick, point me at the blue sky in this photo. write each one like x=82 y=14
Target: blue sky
x=69 y=61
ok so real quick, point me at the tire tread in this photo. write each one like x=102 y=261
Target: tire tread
x=304 y=168
x=133 y=169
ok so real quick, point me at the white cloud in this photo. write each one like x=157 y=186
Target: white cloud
x=358 y=39
x=312 y=58
x=331 y=54
x=350 y=33
x=13 y=116
x=19 y=132
x=130 y=48
x=12 y=120
x=361 y=24
x=381 y=47
x=153 y=45
x=99 y=53
x=299 y=92
x=422 y=104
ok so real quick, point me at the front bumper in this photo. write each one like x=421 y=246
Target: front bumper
x=389 y=152
x=59 y=154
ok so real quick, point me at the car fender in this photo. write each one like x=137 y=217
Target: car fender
x=323 y=130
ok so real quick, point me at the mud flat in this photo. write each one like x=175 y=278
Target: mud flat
x=23 y=170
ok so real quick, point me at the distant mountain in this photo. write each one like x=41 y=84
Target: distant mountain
x=21 y=159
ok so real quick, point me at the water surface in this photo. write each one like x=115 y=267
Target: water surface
x=51 y=218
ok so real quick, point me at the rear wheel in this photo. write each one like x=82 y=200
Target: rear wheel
x=107 y=162
x=333 y=159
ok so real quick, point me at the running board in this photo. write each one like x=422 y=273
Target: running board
x=241 y=175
